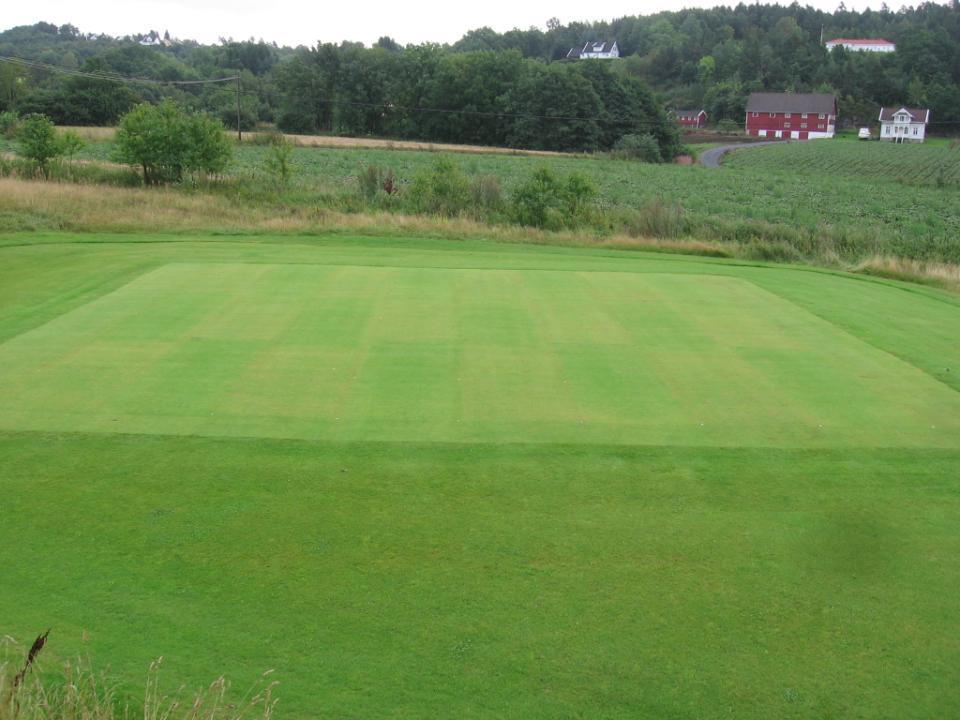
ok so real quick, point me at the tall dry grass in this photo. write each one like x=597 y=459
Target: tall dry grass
x=76 y=691
x=101 y=134
x=98 y=208
x=943 y=274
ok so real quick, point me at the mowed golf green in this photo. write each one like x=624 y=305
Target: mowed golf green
x=433 y=479
x=472 y=355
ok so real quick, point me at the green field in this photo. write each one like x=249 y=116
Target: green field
x=932 y=164
x=456 y=479
x=851 y=201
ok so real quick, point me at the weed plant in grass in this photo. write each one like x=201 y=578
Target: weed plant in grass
x=29 y=691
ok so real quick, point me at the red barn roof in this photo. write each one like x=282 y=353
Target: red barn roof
x=861 y=41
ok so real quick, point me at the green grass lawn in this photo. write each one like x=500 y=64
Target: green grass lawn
x=440 y=479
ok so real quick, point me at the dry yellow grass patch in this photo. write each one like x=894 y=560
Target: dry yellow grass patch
x=101 y=134
x=905 y=269
x=331 y=141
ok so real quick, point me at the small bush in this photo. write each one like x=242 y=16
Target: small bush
x=277 y=162
x=728 y=126
x=9 y=120
x=165 y=142
x=658 y=218
x=548 y=201
x=441 y=189
x=642 y=147
x=38 y=141
x=72 y=144
x=486 y=195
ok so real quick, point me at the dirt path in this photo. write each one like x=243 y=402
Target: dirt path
x=711 y=158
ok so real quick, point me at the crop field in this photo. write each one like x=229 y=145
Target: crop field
x=927 y=164
x=860 y=212
x=423 y=478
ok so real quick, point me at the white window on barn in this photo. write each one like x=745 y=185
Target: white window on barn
x=772 y=114
x=803 y=126
x=786 y=115
x=756 y=114
x=786 y=125
x=803 y=116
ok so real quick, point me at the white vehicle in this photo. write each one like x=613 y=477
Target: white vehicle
x=864 y=133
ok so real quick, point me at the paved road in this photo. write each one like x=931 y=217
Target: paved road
x=711 y=158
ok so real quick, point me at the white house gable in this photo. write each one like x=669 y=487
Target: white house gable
x=903 y=124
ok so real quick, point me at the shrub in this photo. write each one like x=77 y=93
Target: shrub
x=9 y=120
x=728 y=126
x=441 y=189
x=375 y=182
x=38 y=141
x=486 y=195
x=165 y=142
x=549 y=201
x=277 y=161
x=642 y=147
x=658 y=218
x=72 y=143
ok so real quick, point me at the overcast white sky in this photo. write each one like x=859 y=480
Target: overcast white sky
x=296 y=22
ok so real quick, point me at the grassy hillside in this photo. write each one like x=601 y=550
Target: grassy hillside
x=422 y=478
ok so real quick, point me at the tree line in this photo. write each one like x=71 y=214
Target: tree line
x=511 y=88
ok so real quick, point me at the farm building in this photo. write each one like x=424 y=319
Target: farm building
x=796 y=116
x=878 y=45
x=903 y=124
x=594 y=50
x=691 y=118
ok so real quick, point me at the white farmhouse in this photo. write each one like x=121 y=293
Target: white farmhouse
x=878 y=45
x=601 y=50
x=903 y=124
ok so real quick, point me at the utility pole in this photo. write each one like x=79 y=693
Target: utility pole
x=239 y=132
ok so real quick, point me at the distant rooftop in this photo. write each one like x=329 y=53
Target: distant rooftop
x=861 y=41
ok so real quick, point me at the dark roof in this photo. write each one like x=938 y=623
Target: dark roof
x=574 y=53
x=792 y=103
x=918 y=114
x=689 y=113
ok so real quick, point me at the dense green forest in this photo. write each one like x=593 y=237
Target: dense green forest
x=512 y=88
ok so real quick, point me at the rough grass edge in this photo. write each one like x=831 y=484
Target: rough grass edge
x=29 y=206
x=77 y=691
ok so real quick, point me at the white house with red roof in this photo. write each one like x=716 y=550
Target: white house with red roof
x=903 y=124
x=862 y=44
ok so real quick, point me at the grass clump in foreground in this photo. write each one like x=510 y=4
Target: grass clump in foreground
x=79 y=692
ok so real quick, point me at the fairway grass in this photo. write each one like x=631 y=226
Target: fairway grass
x=464 y=355
x=440 y=479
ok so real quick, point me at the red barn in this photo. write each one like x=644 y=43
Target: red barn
x=691 y=118
x=797 y=116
